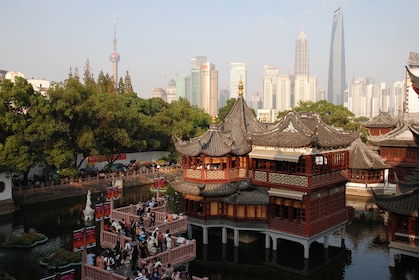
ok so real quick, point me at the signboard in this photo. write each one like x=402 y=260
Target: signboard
x=78 y=240
x=102 y=211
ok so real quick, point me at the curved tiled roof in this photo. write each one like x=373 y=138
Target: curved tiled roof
x=223 y=189
x=212 y=143
x=297 y=130
x=247 y=197
x=404 y=204
x=403 y=136
x=362 y=157
x=231 y=136
x=414 y=79
x=383 y=119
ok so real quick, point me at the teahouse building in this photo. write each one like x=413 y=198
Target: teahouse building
x=285 y=182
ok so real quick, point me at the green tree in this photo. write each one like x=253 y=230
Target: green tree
x=223 y=111
x=18 y=150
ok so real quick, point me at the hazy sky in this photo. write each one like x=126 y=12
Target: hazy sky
x=157 y=39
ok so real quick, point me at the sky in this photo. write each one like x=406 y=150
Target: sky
x=157 y=39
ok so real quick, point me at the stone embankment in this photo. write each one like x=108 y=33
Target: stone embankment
x=42 y=192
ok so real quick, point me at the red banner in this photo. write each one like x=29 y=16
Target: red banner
x=107 y=210
x=78 y=240
x=98 y=212
x=91 y=237
x=105 y=158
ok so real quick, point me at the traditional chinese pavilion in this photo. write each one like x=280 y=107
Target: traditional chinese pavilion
x=286 y=182
x=381 y=124
x=367 y=171
x=403 y=209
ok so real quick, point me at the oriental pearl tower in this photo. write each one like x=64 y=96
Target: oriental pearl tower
x=114 y=57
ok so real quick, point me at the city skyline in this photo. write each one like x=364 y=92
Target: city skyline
x=156 y=41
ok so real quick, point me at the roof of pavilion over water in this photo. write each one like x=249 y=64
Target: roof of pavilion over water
x=299 y=130
x=231 y=136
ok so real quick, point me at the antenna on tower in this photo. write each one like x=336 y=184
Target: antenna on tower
x=114 y=32
x=114 y=57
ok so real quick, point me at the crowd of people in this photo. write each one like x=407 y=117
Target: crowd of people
x=143 y=245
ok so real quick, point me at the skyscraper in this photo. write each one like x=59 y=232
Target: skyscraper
x=337 y=75
x=114 y=57
x=301 y=54
x=209 y=88
x=238 y=71
x=195 y=87
x=305 y=86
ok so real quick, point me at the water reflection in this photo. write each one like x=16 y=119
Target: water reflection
x=363 y=256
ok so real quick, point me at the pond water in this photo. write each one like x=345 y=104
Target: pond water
x=363 y=256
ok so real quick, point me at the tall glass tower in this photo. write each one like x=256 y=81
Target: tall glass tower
x=301 y=54
x=337 y=75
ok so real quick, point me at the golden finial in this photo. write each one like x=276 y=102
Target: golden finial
x=214 y=119
x=240 y=88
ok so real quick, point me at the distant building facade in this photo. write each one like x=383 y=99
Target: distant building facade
x=171 y=91
x=238 y=72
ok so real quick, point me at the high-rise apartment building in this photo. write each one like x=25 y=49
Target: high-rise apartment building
x=238 y=72
x=270 y=86
x=285 y=93
x=337 y=74
x=209 y=88
x=195 y=79
x=397 y=98
x=365 y=97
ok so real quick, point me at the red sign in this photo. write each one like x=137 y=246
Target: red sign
x=106 y=158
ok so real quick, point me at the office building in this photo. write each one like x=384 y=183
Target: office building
x=337 y=74
x=195 y=79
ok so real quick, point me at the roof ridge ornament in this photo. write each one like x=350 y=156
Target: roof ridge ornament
x=240 y=88
x=290 y=128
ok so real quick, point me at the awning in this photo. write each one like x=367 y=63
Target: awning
x=286 y=193
x=275 y=155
